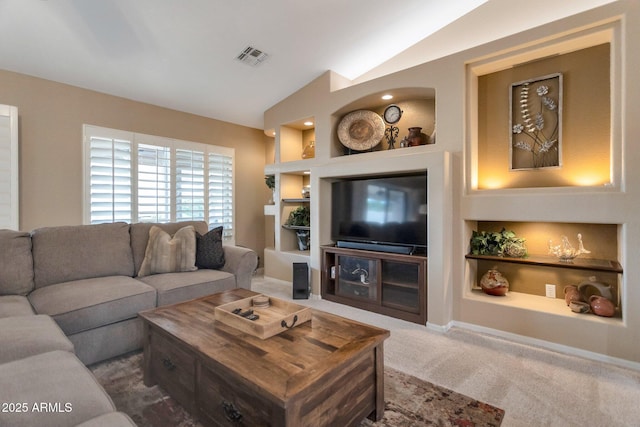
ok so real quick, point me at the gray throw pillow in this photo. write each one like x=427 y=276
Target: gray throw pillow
x=209 y=250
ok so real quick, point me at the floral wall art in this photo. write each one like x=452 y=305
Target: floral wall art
x=536 y=123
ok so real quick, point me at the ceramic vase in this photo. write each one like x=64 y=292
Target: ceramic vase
x=303 y=239
x=593 y=287
x=601 y=306
x=309 y=151
x=571 y=293
x=415 y=136
x=494 y=283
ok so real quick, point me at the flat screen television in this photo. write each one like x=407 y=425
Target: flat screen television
x=385 y=213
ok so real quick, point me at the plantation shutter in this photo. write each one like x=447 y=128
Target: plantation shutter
x=110 y=185
x=221 y=193
x=9 y=167
x=133 y=177
x=154 y=183
x=190 y=189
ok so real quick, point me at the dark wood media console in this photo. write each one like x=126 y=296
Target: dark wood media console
x=385 y=283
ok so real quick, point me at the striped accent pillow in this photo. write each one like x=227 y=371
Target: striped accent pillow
x=169 y=254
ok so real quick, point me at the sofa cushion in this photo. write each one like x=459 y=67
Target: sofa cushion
x=30 y=335
x=178 y=287
x=86 y=304
x=112 y=419
x=56 y=379
x=169 y=254
x=14 y=305
x=66 y=253
x=140 y=236
x=209 y=250
x=116 y=339
x=16 y=274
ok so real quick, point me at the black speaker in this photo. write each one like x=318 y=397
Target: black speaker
x=301 y=288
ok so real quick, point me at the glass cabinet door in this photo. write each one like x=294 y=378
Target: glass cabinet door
x=400 y=285
x=357 y=277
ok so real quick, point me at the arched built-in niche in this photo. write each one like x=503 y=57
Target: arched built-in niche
x=418 y=106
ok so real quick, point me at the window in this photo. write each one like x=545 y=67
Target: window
x=9 y=167
x=141 y=178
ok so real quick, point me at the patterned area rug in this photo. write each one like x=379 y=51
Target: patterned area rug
x=409 y=401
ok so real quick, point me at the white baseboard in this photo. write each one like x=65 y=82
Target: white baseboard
x=439 y=328
x=560 y=348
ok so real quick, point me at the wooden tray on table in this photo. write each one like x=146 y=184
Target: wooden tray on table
x=278 y=316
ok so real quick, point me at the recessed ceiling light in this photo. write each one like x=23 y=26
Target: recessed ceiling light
x=308 y=123
x=385 y=97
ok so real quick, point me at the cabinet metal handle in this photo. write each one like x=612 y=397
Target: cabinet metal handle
x=230 y=412
x=168 y=364
x=284 y=322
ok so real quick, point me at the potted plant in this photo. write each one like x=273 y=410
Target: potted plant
x=301 y=217
x=270 y=181
x=498 y=243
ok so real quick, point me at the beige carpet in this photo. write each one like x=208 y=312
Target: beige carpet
x=409 y=401
x=535 y=386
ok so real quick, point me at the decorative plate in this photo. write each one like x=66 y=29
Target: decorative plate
x=361 y=130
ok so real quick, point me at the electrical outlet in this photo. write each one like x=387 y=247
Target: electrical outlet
x=550 y=290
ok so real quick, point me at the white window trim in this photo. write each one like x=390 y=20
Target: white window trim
x=13 y=172
x=173 y=144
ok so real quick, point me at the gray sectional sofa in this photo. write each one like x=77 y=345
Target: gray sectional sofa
x=69 y=297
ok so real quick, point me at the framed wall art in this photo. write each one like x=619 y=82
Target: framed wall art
x=536 y=123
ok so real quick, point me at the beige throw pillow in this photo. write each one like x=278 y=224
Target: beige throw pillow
x=167 y=254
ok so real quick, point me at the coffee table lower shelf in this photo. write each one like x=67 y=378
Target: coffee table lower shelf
x=218 y=395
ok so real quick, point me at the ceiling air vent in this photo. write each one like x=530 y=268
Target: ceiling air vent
x=252 y=56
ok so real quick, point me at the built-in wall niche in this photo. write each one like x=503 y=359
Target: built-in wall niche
x=503 y=130
x=418 y=110
x=297 y=140
x=292 y=197
x=530 y=275
x=381 y=212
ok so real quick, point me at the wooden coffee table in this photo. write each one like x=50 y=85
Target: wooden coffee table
x=325 y=372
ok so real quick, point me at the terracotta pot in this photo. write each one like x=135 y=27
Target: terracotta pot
x=494 y=283
x=571 y=293
x=601 y=306
x=415 y=136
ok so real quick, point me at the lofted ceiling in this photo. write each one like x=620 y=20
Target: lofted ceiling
x=182 y=54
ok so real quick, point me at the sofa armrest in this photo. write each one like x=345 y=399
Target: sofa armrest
x=241 y=262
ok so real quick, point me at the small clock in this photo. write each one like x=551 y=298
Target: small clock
x=392 y=114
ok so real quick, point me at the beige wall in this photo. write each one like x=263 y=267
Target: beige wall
x=586 y=130
x=454 y=81
x=51 y=116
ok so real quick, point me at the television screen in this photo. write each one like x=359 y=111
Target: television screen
x=381 y=210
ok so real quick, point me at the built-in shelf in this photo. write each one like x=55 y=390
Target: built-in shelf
x=549 y=261
x=298 y=200
x=296 y=227
x=536 y=303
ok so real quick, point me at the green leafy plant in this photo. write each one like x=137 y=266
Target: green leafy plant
x=300 y=217
x=497 y=243
x=270 y=180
